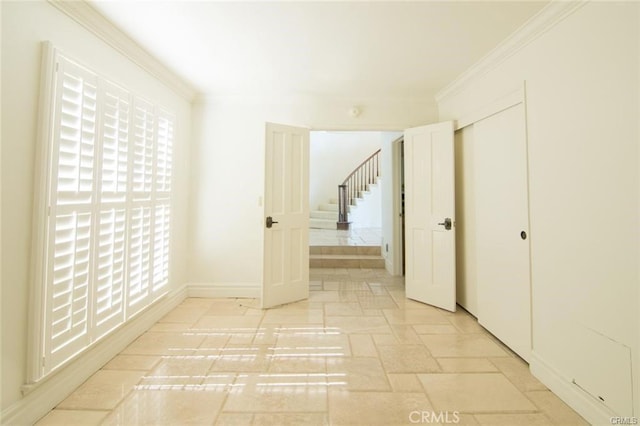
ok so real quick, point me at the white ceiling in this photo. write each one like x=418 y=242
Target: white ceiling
x=371 y=49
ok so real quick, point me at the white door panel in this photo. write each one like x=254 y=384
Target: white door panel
x=429 y=201
x=286 y=201
x=503 y=261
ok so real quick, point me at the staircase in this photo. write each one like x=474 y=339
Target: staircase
x=365 y=257
x=325 y=217
x=361 y=214
x=351 y=193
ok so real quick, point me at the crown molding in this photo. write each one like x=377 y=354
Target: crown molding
x=87 y=16
x=543 y=21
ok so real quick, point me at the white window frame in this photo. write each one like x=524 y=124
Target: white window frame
x=114 y=199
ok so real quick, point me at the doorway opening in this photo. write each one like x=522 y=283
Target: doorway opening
x=373 y=238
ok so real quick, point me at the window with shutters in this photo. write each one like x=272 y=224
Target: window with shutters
x=106 y=236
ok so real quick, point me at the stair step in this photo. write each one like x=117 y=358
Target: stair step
x=345 y=261
x=328 y=207
x=323 y=223
x=346 y=250
x=367 y=257
x=328 y=215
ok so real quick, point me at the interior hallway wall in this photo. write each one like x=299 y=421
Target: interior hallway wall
x=582 y=112
x=228 y=171
x=25 y=25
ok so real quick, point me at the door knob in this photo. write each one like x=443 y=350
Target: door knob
x=270 y=221
x=447 y=223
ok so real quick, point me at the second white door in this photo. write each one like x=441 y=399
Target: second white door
x=430 y=262
x=286 y=215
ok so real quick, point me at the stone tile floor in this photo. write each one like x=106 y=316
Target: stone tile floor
x=356 y=353
x=352 y=237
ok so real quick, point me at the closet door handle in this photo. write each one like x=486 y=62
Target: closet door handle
x=447 y=223
x=270 y=221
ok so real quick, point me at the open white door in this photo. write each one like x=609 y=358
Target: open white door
x=286 y=212
x=430 y=275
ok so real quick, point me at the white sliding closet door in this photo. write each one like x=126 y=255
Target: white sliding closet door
x=502 y=220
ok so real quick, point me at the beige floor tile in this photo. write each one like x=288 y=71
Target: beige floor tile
x=243 y=358
x=353 y=324
x=234 y=419
x=464 y=419
x=163 y=407
x=375 y=408
x=184 y=314
x=164 y=344
x=72 y=418
x=474 y=393
x=219 y=338
x=466 y=323
x=461 y=345
x=518 y=372
x=405 y=382
x=466 y=365
x=376 y=302
x=362 y=345
x=280 y=392
x=232 y=307
x=359 y=353
x=266 y=334
x=316 y=337
x=200 y=302
x=299 y=364
x=406 y=334
x=559 y=412
x=342 y=309
x=324 y=296
x=424 y=315
x=103 y=391
x=407 y=359
x=293 y=316
x=361 y=374
x=176 y=372
x=528 y=419
x=290 y=419
x=132 y=362
x=240 y=322
x=385 y=339
x=171 y=327
x=435 y=329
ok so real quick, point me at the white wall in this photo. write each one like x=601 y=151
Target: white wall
x=333 y=155
x=582 y=112
x=228 y=171
x=391 y=238
x=24 y=26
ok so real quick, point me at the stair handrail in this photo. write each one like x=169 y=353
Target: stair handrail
x=356 y=182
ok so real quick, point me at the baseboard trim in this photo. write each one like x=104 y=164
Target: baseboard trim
x=43 y=396
x=243 y=290
x=587 y=406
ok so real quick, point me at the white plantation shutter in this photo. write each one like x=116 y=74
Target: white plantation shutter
x=110 y=271
x=67 y=309
x=164 y=154
x=110 y=245
x=115 y=143
x=143 y=146
x=139 y=258
x=107 y=233
x=161 y=248
x=70 y=221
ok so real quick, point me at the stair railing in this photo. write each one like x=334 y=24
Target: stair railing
x=357 y=182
